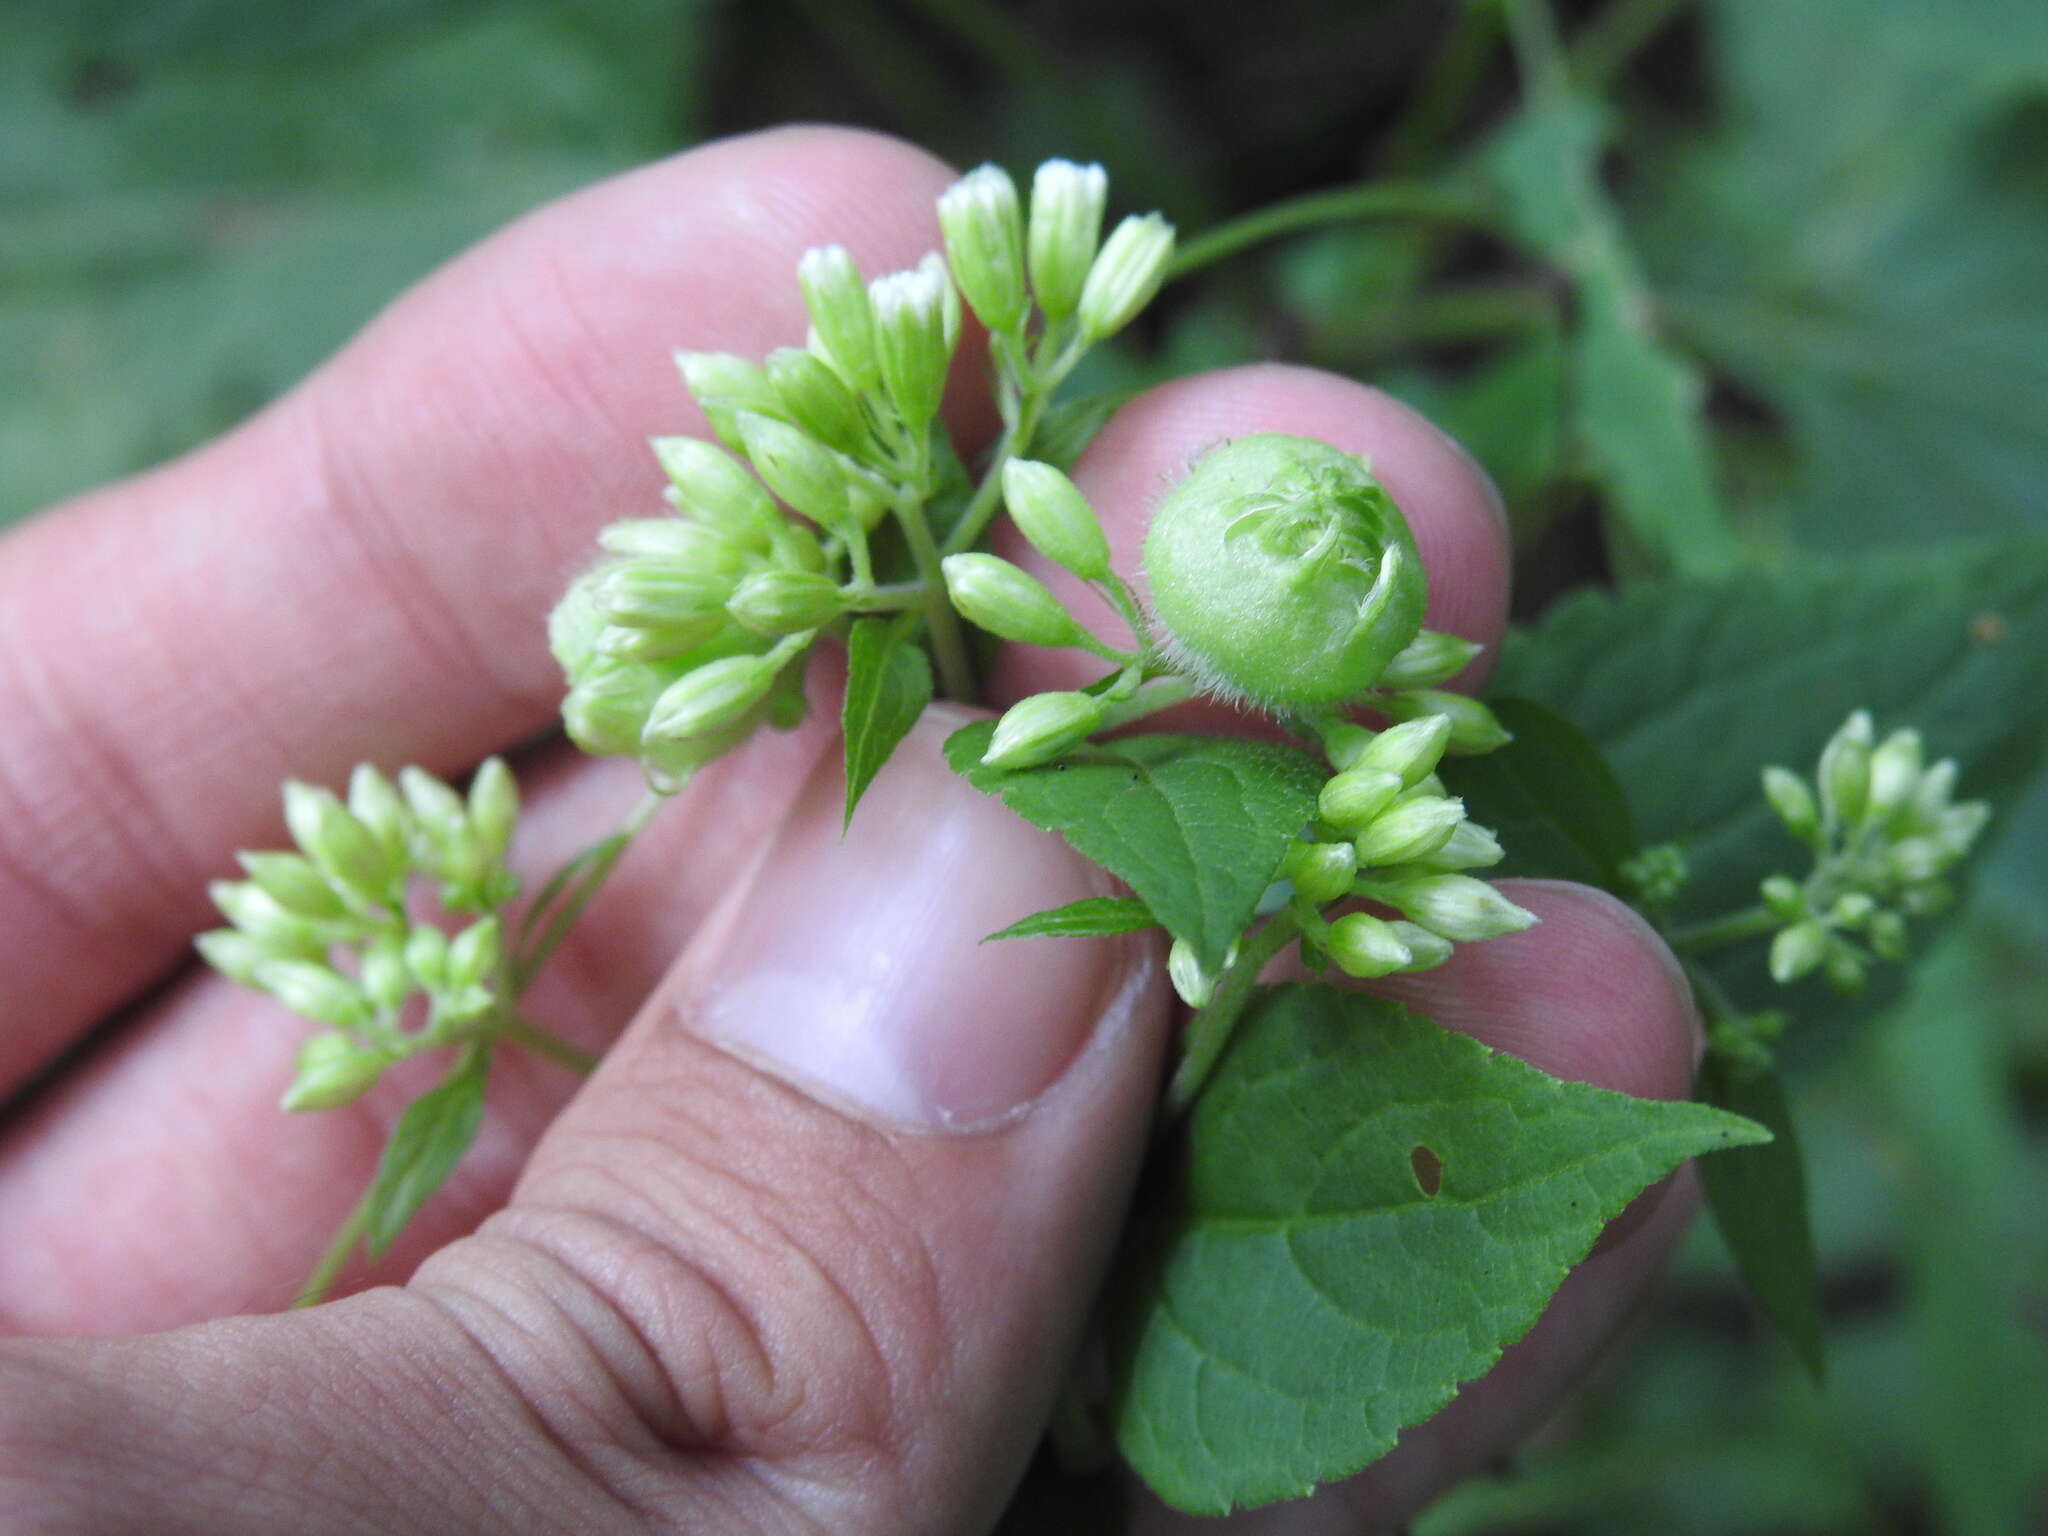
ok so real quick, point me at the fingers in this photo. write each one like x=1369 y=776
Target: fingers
x=358 y=573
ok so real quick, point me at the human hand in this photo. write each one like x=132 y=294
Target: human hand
x=814 y=1246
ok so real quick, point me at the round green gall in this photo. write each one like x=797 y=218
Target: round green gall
x=1282 y=573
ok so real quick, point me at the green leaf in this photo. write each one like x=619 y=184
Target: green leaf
x=426 y=1144
x=1092 y=917
x=1758 y=1197
x=1690 y=688
x=1195 y=825
x=1506 y=413
x=1366 y=1210
x=1556 y=806
x=1635 y=404
x=888 y=684
x=1066 y=430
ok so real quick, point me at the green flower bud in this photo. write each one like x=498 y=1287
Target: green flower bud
x=817 y=399
x=1852 y=909
x=910 y=329
x=606 y=711
x=1410 y=831
x=1320 y=872
x=1471 y=846
x=984 y=234
x=1894 y=773
x=260 y=916
x=677 y=637
x=234 y=954
x=1931 y=795
x=1427 y=950
x=437 y=811
x=949 y=298
x=473 y=955
x=1125 y=275
x=837 y=298
x=674 y=541
x=1845 y=770
x=1050 y=511
x=1038 y=729
x=314 y=991
x=1797 y=950
x=1957 y=827
x=1785 y=897
x=1887 y=937
x=1344 y=743
x=426 y=956
x=1788 y=795
x=292 y=882
x=1475 y=729
x=797 y=467
x=724 y=386
x=1194 y=984
x=493 y=806
x=715 y=488
x=1282 y=573
x=713 y=695
x=332 y=1070
x=575 y=625
x=1008 y=601
x=1845 y=969
x=1430 y=658
x=784 y=602
x=1412 y=749
x=1354 y=799
x=1914 y=859
x=671 y=764
x=1459 y=907
x=342 y=848
x=1364 y=945
x=375 y=802
x=385 y=979
x=1066 y=228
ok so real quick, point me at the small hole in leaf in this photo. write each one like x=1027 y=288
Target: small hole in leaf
x=1429 y=1170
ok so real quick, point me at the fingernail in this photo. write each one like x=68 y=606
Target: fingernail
x=854 y=968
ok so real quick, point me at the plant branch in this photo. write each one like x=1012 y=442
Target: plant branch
x=1717 y=933
x=1372 y=199
x=1210 y=1029
x=520 y=1030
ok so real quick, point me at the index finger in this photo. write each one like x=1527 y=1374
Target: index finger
x=359 y=573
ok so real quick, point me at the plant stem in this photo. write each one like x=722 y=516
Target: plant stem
x=1603 y=50
x=1210 y=1029
x=1749 y=923
x=321 y=1279
x=949 y=646
x=576 y=887
x=893 y=598
x=1371 y=199
x=520 y=1030
x=1160 y=693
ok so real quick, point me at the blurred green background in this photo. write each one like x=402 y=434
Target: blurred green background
x=1822 y=229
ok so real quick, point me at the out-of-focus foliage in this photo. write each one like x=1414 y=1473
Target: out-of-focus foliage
x=1833 y=217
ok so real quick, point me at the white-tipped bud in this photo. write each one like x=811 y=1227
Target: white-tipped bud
x=1788 y=795
x=696 y=546
x=1459 y=907
x=713 y=695
x=798 y=468
x=1797 y=950
x=258 y=914
x=1050 y=511
x=606 y=710
x=1354 y=799
x=375 y=802
x=437 y=811
x=1894 y=773
x=1066 y=230
x=1429 y=659
x=1194 y=984
x=314 y=991
x=785 y=602
x=837 y=297
x=910 y=332
x=234 y=954
x=723 y=386
x=1125 y=275
x=493 y=806
x=1320 y=872
x=342 y=848
x=1411 y=830
x=332 y=1070
x=1845 y=770
x=1038 y=729
x=1411 y=749
x=664 y=594
x=1474 y=727
x=1364 y=945
x=715 y=489
x=817 y=399
x=1471 y=846
x=984 y=233
x=1785 y=897
x=949 y=297
x=1008 y=601
x=292 y=882
x=1427 y=950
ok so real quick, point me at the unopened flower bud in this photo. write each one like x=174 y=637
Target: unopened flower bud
x=575 y=625
x=984 y=233
x=385 y=979
x=1788 y=795
x=1008 y=601
x=784 y=602
x=1845 y=969
x=797 y=467
x=910 y=331
x=1050 y=511
x=658 y=594
x=1913 y=859
x=292 y=882
x=437 y=810
x=1957 y=827
x=1066 y=229
x=1426 y=950
x=837 y=298
x=1364 y=945
x=1411 y=749
x=314 y=991
x=426 y=956
x=493 y=806
x=1354 y=799
x=1459 y=907
x=1470 y=846
x=1344 y=742
x=949 y=298
x=1887 y=936
x=343 y=849
x=374 y=801
x=1924 y=898
x=607 y=709
x=1894 y=773
x=1474 y=727
x=1845 y=770
x=1319 y=872
x=817 y=399
x=1430 y=658
x=332 y=1070
x=1038 y=729
x=1194 y=984
x=1410 y=831
x=473 y=955
x=1797 y=950
x=1125 y=275
x=715 y=489
x=1931 y=795
x=713 y=695
x=673 y=540
x=258 y=914
x=235 y=954
x=1852 y=909
x=723 y=386
x=1784 y=896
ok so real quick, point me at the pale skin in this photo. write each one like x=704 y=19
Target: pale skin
x=699 y=1292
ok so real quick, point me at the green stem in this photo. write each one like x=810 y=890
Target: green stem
x=575 y=886
x=1210 y=1029
x=1372 y=199
x=1441 y=101
x=1014 y=443
x=1604 y=49
x=1160 y=693
x=949 y=646
x=343 y=1243
x=1538 y=53
x=521 y=1030
x=1716 y=933
x=893 y=598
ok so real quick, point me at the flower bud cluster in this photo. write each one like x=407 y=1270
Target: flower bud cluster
x=325 y=929
x=1386 y=830
x=1885 y=831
